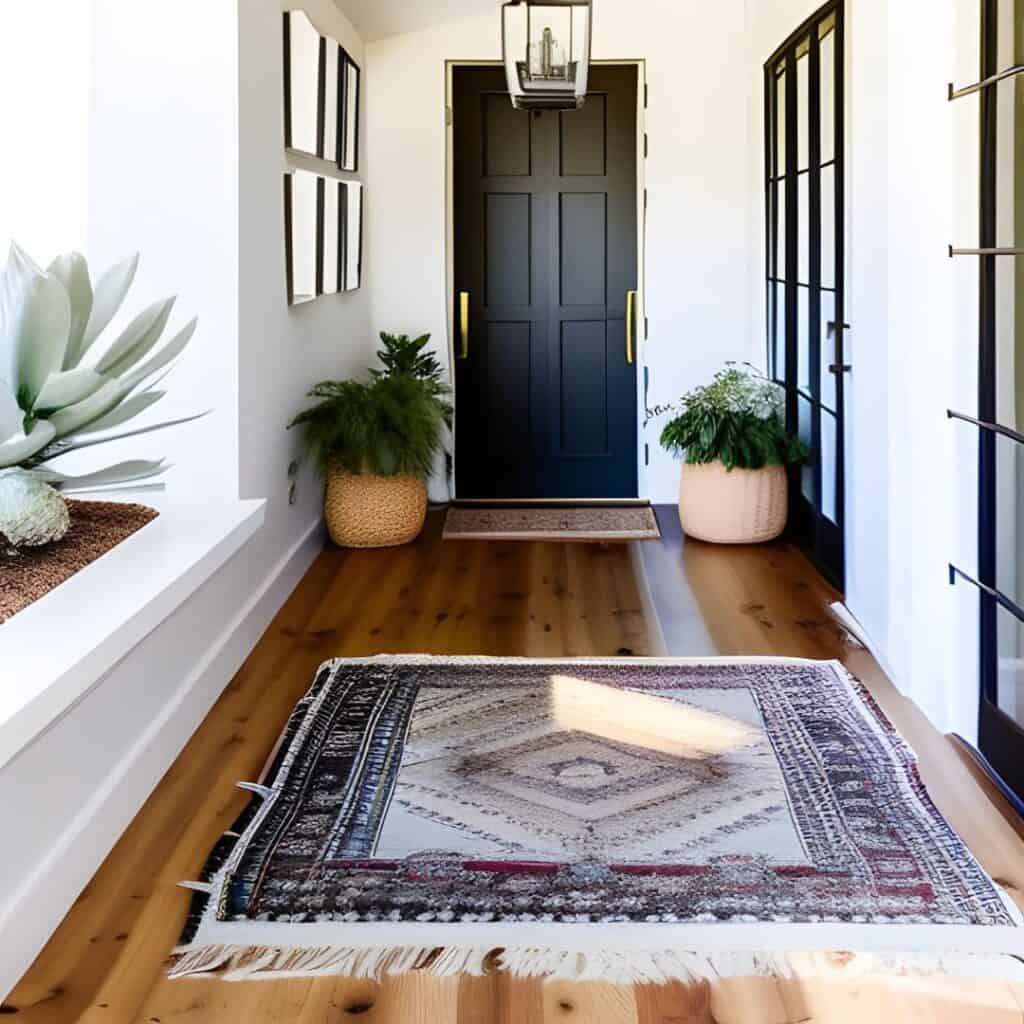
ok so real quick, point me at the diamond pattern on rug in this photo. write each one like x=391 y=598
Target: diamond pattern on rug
x=616 y=784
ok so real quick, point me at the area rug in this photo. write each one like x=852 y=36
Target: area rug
x=582 y=523
x=96 y=528
x=634 y=819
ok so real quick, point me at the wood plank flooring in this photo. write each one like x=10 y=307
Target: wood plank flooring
x=106 y=963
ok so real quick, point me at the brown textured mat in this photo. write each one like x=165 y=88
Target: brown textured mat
x=585 y=523
x=96 y=527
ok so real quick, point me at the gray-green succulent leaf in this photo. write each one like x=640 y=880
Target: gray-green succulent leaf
x=19 y=448
x=137 y=339
x=108 y=296
x=35 y=320
x=73 y=272
x=130 y=471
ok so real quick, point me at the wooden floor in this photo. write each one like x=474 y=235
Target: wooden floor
x=106 y=963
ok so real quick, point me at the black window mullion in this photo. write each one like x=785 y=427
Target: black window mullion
x=987 y=555
x=792 y=237
x=771 y=214
x=839 y=126
x=814 y=262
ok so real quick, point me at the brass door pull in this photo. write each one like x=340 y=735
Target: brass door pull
x=631 y=297
x=463 y=325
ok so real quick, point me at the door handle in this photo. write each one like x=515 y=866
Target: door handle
x=631 y=297
x=839 y=330
x=463 y=325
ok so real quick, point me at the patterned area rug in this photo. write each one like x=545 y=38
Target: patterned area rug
x=585 y=523
x=719 y=807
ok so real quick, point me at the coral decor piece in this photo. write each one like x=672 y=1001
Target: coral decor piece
x=477 y=804
x=32 y=513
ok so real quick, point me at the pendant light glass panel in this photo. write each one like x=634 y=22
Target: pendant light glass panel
x=547 y=53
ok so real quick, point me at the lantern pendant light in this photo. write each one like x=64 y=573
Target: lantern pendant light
x=546 y=47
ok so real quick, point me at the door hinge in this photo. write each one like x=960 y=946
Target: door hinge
x=645 y=200
x=647 y=454
x=448 y=119
x=647 y=328
x=645 y=146
x=647 y=95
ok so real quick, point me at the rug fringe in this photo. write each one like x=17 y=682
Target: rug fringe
x=618 y=967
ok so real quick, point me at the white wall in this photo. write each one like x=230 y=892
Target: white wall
x=163 y=171
x=282 y=351
x=698 y=252
x=45 y=68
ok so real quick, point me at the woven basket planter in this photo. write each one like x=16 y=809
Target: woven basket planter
x=744 y=506
x=367 y=511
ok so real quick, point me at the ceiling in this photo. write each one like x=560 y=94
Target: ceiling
x=374 y=19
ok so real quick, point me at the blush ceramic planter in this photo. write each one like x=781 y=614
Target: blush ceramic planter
x=367 y=511
x=744 y=506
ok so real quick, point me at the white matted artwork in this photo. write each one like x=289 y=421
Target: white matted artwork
x=323 y=235
x=300 y=221
x=353 y=248
x=304 y=51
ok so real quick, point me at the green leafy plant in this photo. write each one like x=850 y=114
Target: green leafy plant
x=404 y=355
x=736 y=419
x=390 y=425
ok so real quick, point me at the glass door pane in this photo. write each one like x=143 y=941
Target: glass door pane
x=1010 y=675
x=780 y=122
x=803 y=106
x=827 y=65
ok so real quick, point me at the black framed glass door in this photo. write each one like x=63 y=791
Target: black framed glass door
x=804 y=200
x=999 y=423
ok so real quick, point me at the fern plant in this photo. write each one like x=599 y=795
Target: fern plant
x=389 y=425
x=737 y=419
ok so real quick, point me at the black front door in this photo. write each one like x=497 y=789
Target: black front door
x=545 y=263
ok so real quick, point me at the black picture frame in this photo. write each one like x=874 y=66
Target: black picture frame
x=349 y=100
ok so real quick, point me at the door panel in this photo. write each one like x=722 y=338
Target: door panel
x=584 y=260
x=507 y=261
x=584 y=373
x=546 y=246
x=584 y=138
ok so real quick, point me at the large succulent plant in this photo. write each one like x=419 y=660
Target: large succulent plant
x=56 y=395
x=52 y=399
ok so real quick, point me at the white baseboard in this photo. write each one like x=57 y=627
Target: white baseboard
x=40 y=901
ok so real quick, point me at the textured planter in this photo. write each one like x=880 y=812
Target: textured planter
x=745 y=506
x=368 y=511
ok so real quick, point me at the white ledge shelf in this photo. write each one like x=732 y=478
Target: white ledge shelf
x=53 y=652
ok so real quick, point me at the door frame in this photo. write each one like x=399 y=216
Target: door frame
x=640 y=65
